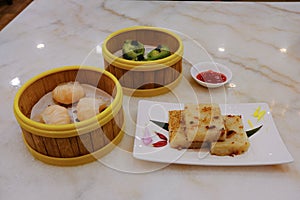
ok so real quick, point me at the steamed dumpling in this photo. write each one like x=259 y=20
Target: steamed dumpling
x=88 y=107
x=68 y=93
x=55 y=114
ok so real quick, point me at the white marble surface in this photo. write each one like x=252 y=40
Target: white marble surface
x=261 y=45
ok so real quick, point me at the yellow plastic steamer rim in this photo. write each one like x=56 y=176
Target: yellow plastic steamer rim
x=68 y=130
x=142 y=65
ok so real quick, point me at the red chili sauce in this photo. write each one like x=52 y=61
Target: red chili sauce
x=211 y=76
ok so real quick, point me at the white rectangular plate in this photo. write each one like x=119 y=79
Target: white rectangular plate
x=266 y=146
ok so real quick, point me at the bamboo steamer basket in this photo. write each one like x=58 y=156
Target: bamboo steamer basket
x=144 y=78
x=76 y=143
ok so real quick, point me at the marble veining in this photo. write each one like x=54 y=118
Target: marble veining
x=259 y=42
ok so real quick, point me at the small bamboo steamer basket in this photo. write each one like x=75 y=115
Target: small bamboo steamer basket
x=144 y=78
x=77 y=143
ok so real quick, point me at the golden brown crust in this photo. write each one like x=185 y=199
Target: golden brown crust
x=178 y=138
x=176 y=130
x=204 y=123
x=236 y=141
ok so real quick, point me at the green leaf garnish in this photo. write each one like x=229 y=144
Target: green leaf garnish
x=252 y=131
x=163 y=125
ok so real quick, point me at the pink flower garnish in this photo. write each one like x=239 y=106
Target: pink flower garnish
x=147 y=138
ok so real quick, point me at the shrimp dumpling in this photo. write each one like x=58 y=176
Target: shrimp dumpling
x=68 y=93
x=55 y=114
x=88 y=107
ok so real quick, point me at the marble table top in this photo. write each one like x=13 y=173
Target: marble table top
x=259 y=42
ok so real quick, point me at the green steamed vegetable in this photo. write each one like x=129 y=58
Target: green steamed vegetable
x=133 y=50
x=161 y=51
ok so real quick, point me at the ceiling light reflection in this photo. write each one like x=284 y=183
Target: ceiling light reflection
x=221 y=49
x=99 y=49
x=40 y=46
x=232 y=85
x=283 y=50
x=15 y=82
